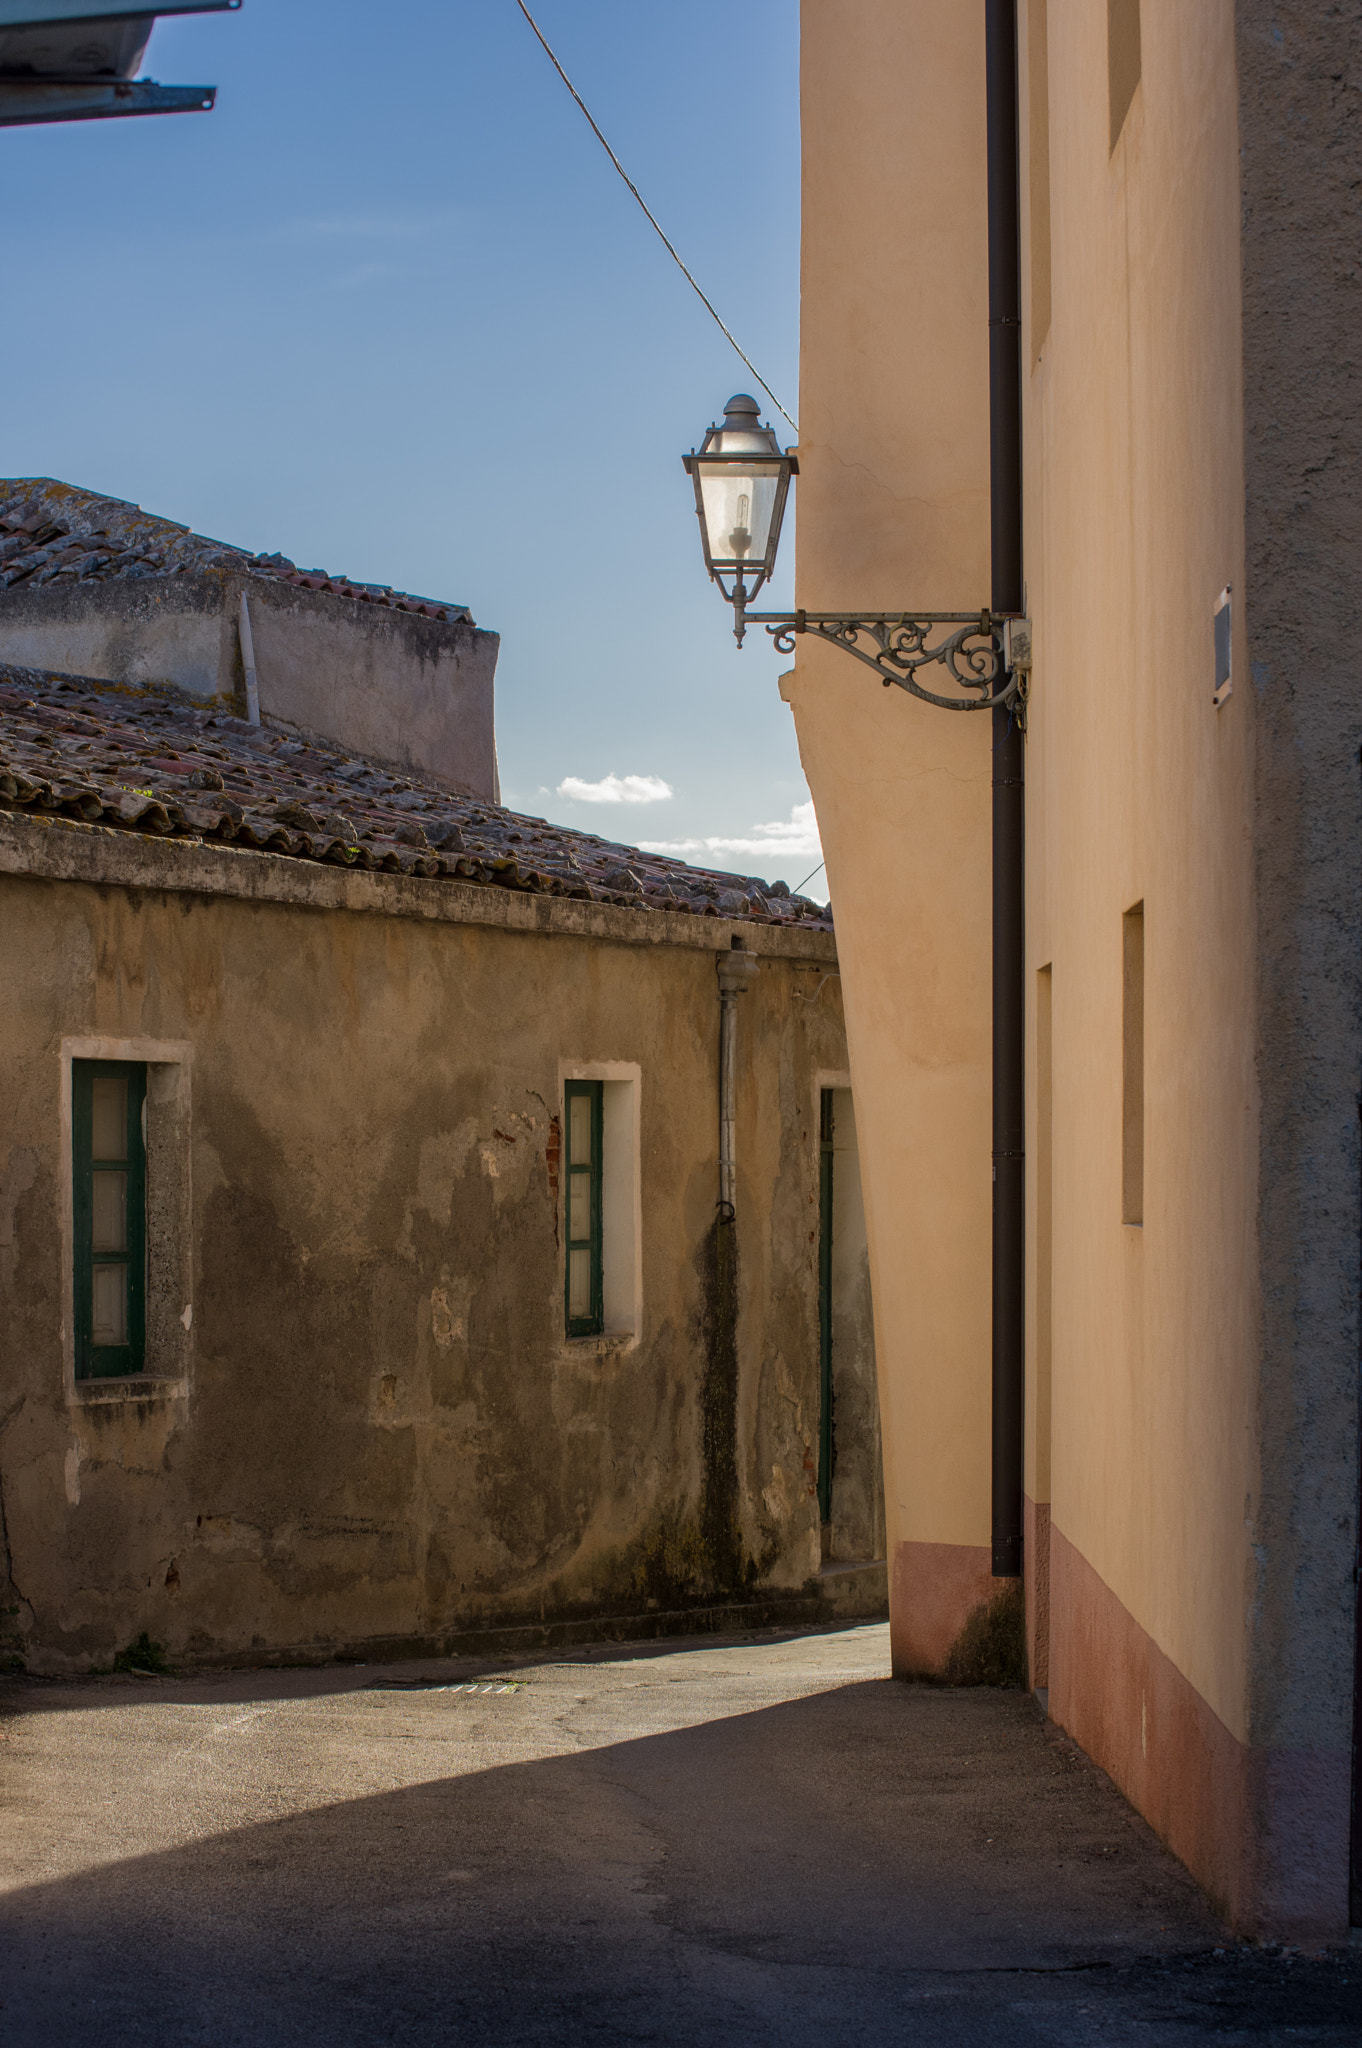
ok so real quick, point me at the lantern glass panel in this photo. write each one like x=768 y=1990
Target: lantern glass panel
x=739 y=504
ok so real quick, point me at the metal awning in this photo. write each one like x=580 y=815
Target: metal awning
x=77 y=60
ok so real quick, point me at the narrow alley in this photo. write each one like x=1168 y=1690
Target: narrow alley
x=759 y=1839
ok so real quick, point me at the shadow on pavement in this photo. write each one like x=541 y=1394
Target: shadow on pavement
x=873 y=1863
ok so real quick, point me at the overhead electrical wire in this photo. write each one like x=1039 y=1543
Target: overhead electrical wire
x=652 y=218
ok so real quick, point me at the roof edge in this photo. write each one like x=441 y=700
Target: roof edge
x=47 y=847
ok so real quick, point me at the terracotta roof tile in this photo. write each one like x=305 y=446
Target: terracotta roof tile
x=52 y=532
x=154 y=762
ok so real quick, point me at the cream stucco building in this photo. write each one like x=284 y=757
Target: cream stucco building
x=1194 y=937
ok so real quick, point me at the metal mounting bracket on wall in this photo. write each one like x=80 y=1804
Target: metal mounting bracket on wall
x=741 y=478
x=896 y=646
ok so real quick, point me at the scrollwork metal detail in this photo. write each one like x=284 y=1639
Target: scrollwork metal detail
x=900 y=646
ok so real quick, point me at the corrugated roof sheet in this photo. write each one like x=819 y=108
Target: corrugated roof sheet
x=155 y=762
x=52 y=532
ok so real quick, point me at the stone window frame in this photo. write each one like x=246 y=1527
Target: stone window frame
x=168 y=1354
x=621 y=1202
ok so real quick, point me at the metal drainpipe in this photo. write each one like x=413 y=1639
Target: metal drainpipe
x=1009 y=815
x=737 y=969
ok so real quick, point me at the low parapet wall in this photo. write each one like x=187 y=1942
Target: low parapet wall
x=409 y=690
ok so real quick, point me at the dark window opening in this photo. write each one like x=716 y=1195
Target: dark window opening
x=1124 y=61
x=1132 y=1079
x=584 y=1117
x=109 y=1188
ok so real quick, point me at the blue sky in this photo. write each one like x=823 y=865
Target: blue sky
x=390 y=310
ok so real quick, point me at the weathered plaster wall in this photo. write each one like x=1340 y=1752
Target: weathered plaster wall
x=383 y=1435
x=893 y=511
x=857 y=1519
x=1300 y=131
x=411 y=691
x=1139 y=791
x=1191 y=421
x=1200 y=1473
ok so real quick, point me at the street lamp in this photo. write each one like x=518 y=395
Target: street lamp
x=741 y=478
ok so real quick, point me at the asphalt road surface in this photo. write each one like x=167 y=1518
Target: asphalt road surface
x=749 y=1840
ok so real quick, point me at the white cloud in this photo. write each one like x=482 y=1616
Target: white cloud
x=786 y=838
x=616 y=789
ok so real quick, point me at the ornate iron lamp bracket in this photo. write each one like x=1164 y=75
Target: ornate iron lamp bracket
x=898 y=646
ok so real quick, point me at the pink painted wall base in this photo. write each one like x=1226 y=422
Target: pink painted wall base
x=1265 y=1831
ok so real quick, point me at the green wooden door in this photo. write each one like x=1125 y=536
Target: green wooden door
x=825 y=1417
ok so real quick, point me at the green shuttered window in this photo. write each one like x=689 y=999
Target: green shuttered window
x=109 y=1186
x=584 y=1119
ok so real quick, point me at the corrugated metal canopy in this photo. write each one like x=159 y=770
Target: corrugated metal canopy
x=34 y=102
x=77 y=60
x=38 y=13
